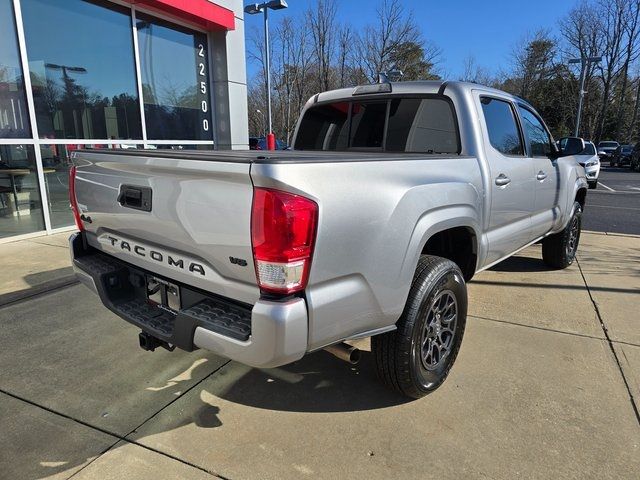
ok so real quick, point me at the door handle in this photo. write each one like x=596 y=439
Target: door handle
x=502 y=180
x=541 y=175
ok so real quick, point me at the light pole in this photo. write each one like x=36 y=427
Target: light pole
x=264 y=122
x=253 y=9
x=584 y=65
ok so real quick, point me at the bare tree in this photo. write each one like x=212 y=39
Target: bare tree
x=581 y=31
x=322 y=23
x=636 y=110
x=631 y=50
x=612 y=13
x=379 y=43
x=345 y=44
x=474 y=73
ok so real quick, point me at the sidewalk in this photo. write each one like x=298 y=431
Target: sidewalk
x=33 y=266
x=542 y=389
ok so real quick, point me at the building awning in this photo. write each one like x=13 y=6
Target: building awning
x=202 y=13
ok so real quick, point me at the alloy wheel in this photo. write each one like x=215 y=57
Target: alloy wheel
x=439 y=330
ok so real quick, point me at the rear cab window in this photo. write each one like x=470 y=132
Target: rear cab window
x=413 y=125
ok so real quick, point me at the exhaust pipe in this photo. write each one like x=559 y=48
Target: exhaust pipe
x=345 y=352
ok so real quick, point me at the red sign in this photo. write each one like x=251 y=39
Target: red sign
x=202 y=13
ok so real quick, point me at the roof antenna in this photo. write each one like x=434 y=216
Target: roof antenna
x=394 y=74
x=382 y=77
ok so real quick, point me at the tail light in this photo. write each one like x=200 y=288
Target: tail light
x=73 y=202
x=283 y=231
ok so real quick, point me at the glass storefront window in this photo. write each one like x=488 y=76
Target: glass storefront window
x=82 y=69
x=14 y=116
x=208 y=146
x=20 y=205
x=175 y=81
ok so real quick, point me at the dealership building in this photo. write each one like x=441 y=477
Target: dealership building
x=151 y=74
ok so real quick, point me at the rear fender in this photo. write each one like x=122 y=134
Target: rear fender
x=433 y=222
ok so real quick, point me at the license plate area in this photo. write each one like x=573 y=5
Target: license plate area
x=165 y=294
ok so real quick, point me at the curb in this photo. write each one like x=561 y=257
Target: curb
x=612 y=234
x=61 y=282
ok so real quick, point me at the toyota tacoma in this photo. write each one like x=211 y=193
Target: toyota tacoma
x=394 y=196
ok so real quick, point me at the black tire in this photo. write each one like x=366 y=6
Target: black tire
x=559 y=250
x=593 y=185
x=401 y=362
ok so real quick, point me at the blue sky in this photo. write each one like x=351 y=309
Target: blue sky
x=461 y=28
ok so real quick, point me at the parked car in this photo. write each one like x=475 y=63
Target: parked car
x=394 y=196
x=591 y=163
x=260 y=143
x=606 y=149
x=621 y=156
x=635 y=158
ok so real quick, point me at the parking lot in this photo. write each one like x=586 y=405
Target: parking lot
x=544 y=387
x=615 y=205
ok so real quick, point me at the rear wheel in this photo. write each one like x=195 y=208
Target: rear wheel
x=416 y=358
x=559 y=250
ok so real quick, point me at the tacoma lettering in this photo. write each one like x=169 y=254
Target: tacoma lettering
x=141 y=251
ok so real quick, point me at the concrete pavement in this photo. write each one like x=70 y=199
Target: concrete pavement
x=542 y=388
x=33 y=266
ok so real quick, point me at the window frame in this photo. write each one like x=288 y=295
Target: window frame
x=544 y=126
x=14 y=32
x=387 y=98
x=516 y=118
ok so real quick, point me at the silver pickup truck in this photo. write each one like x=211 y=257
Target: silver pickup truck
x=393 y=197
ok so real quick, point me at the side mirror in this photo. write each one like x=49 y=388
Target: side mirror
x=570 y=146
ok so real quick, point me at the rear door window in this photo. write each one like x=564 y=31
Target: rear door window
x=502 y=127
x=416 y=125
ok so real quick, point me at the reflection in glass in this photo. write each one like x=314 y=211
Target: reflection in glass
x=175 y=83
x=537 y=136
x=208 y=146
x=56 y=163
x=14 y=117
x=20 y=205
x=82 y=69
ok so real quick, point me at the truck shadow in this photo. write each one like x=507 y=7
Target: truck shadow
x=317 y=383
x=521 y=264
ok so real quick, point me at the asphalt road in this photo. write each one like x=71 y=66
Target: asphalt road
x=615 y=205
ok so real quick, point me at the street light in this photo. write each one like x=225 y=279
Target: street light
x=264 y=122
x=253 y=9
x=583 y=74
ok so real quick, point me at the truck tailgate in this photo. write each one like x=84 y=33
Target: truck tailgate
x=184 y=219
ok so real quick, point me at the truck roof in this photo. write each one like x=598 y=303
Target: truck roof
x=424 y=87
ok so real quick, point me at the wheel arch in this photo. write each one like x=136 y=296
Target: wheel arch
x=458 y=223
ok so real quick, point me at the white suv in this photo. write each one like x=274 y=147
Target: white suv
x=591 y=162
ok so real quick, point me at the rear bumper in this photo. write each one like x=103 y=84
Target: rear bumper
x=267 y=334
